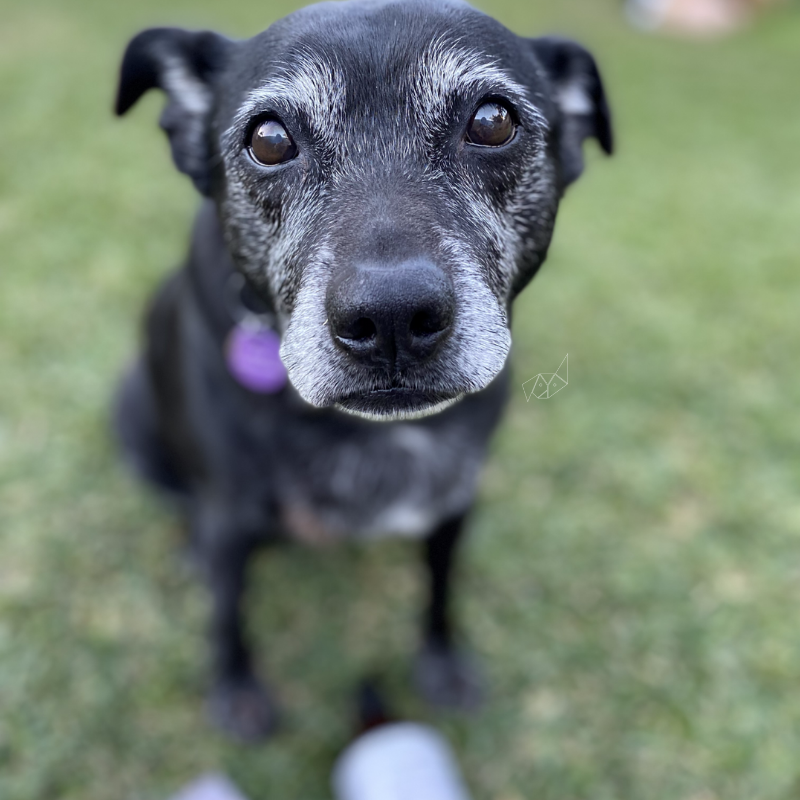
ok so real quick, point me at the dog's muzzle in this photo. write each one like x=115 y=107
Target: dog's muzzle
x=391 y=320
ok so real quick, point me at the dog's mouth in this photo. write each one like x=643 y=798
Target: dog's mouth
x=395 y=403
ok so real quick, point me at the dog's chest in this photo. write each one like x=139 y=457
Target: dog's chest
x=400 y=479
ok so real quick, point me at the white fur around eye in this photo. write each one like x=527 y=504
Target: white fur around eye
x=314 y=86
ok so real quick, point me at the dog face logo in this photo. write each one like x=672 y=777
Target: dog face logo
x=387 y=179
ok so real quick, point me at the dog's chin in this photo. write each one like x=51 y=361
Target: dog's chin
x=388 y=405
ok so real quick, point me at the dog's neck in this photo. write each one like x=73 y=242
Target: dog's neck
x=210 y=269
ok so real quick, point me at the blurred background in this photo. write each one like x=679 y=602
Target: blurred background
x=632 y=581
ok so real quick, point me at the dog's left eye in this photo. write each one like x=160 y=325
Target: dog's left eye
x=491 y=125
x=271 y=144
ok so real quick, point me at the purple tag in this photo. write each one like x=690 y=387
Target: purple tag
x=253 y=359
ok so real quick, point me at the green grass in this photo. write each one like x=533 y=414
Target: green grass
x=633 y=576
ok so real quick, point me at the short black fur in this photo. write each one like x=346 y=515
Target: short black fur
x=402 y=223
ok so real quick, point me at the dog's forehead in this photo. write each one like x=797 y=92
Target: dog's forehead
x=358 y=55
x=364 y=33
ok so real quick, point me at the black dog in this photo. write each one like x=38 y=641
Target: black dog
x=381 y=180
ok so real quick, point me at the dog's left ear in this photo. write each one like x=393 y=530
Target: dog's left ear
x=184 y=64
x=580 y=97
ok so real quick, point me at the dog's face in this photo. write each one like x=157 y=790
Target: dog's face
x=387 y=174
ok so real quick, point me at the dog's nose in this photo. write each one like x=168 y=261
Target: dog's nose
x=390 y=316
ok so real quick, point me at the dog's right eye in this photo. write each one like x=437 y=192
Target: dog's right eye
x=491 y=125
x=270 y=144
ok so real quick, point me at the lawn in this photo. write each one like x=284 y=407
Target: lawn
x=632 y=580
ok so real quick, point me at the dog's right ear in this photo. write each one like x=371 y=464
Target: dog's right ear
x=580 y=97
x=184 y=64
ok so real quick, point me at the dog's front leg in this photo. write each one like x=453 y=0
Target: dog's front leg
x=445 y=676
x=238 y=701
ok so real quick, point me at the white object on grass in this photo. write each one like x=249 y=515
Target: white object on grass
x=212 y=786
x=399 y=761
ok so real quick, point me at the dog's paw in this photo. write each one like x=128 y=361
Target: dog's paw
x=448 y=678
x=243 y=709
